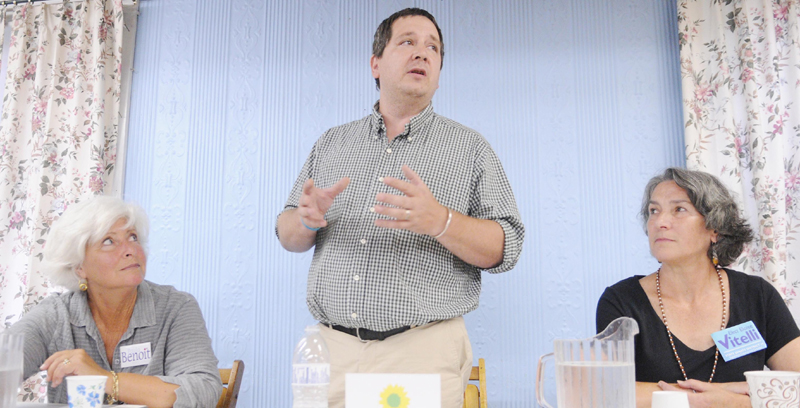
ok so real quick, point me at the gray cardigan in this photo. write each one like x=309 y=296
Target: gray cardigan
x=166 y=318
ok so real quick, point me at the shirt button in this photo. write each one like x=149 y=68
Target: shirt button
x=388 y=150
x=363 y=241
x=355 y=278
x=380 y=179
x=410 y=139
x=354 y=316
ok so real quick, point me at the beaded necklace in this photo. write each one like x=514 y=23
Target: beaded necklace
x=669 y=333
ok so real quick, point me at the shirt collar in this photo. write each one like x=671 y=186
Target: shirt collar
x=144 y=311
x=79 y=313
x=413 y=127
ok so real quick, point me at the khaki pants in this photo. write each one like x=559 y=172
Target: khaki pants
x=435 y=348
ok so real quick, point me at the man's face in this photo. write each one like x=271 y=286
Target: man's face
x=411 y=62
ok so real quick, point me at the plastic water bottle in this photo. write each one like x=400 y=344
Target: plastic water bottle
x=311 y=371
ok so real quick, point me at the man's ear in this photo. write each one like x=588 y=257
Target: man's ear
x=373 y=64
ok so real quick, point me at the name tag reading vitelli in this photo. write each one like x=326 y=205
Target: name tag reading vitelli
x=738 y=341
x=135 y=355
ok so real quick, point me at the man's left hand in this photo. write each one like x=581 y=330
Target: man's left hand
x=416 y=211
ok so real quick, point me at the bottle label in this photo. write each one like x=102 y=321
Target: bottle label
x=311 y=373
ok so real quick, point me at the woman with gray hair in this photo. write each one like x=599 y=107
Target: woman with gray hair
x=694 y=229
x=149 y=340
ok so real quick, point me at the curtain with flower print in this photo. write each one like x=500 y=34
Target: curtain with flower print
x=58 y=132
x=740 y=69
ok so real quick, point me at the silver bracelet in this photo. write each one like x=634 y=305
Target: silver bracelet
x=447 y=225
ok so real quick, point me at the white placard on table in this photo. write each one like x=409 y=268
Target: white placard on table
x=393 y=390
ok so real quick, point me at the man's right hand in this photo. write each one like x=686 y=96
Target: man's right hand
x=312 y=206
x=315 y=202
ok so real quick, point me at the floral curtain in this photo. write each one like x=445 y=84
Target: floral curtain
x=740 y=69
x=58 y=132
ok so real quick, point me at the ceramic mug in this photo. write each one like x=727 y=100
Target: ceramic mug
x=774 y=389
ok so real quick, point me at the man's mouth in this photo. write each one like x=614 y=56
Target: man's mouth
x=417 y=71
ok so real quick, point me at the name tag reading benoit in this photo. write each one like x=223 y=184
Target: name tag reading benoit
x=135 y=355
x=738 y=341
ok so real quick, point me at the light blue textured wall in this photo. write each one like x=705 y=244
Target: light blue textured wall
x=580 y=99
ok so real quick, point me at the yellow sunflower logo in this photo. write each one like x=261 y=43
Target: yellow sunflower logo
x=394 y=396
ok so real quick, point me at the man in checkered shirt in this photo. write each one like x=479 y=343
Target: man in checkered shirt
x=404 y=209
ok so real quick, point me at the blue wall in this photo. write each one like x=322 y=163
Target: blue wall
x=580 y=99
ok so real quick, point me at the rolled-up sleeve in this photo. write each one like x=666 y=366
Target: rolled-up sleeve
x=492 y=199
x=189 y=361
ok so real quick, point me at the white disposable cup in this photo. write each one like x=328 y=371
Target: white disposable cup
x=670 y=399
x=773 y=388
x=11 y=347
x=86 y=391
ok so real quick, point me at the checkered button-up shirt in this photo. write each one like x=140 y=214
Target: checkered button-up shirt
x=380 y=279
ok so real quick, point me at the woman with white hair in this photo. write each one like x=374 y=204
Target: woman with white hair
x=149 y=340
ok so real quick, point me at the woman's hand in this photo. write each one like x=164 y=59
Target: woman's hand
x=722 y=395
x=70 y=362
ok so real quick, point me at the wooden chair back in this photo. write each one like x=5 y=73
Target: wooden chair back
x=475 y=396
x=231 y=380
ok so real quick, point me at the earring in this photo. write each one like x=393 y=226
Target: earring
x=82 y=285
x=714 y=258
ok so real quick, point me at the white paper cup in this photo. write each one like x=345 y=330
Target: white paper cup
x=773 y=388
x=86 y=391
x=670 y=399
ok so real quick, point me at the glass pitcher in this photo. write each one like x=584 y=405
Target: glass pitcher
x=594 y=373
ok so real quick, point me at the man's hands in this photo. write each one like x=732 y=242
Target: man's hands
x=475 y=241
x=315 y=202
x=417 y=210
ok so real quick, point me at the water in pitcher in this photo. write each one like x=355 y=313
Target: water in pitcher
x=10 y=379
x=595 y=384
x=597 y=372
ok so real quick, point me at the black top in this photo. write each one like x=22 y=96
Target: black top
x=752 y=298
